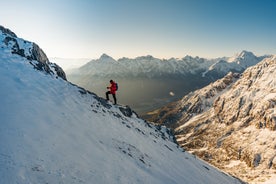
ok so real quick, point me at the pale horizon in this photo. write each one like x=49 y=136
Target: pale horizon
x=161 y=28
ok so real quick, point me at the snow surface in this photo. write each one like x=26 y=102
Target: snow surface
x=271 y=181
x=54 y=132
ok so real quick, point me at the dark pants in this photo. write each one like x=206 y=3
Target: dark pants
x=114 y=96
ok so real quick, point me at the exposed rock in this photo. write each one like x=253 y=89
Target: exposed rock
x=59 y=71
x=7 y=31
x=256 y=160
x=127 y=111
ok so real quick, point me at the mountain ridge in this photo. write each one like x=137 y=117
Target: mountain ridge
x=230 y=123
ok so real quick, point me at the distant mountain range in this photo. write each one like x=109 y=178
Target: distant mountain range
x=230 y=123
x=147 y=83
x=150 y=67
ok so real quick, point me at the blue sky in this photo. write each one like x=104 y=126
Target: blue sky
x=131 y=28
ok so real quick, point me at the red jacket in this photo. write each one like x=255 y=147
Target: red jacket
x=112 y=88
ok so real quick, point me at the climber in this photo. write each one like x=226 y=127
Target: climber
x=112 y=90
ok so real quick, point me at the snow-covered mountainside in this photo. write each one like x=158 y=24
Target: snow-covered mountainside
x=52 y=131
x=231 y=123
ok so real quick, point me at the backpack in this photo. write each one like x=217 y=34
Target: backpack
x=116 y=84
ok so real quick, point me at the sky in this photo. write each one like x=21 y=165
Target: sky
x=132 y=28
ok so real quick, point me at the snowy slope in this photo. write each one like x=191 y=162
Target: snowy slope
x=54 y=132
x=233 y=127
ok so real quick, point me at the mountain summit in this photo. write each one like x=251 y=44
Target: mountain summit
x=106 y=58
x=245 y=59
x=237 y=63
x=52 y=131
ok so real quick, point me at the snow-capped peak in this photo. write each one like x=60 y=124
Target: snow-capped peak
x=237 y=63
x=244 y=54
x=244 y=58
x=106 y=58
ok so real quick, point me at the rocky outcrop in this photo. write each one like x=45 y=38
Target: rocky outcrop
x=30 y=51
x=7 y=31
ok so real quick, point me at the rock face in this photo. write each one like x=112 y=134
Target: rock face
x=30 y=51
x=231 y=123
